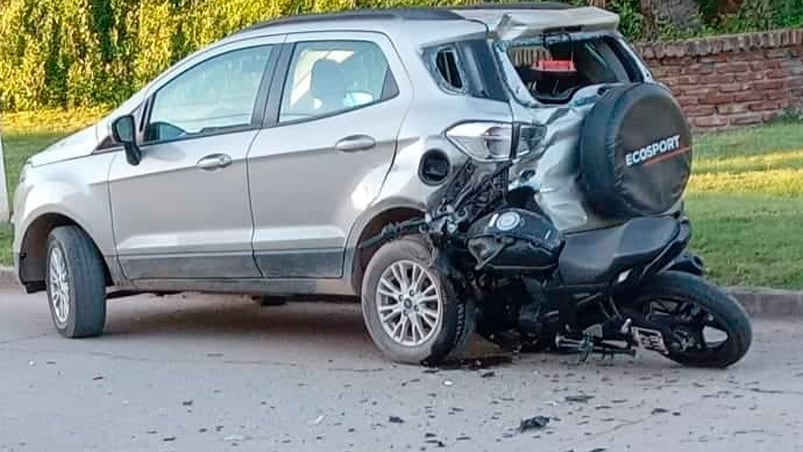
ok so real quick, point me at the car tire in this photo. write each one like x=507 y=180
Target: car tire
x=402 y=281
x=76 y=283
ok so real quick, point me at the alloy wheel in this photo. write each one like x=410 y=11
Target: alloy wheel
x=409 y=303
x=59 y=285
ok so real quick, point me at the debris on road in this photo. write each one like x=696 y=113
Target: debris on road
x=232 y=438
x=168 y=439
x=533 y=423
x=187 y=402
x=474 y=364
x=97 y=378
x=579 y=398
x=413 y=380
x=488 y=374
x=395 y=420
x=317 y=420
x=438 y=443
x=448 y=382
x=659 y=411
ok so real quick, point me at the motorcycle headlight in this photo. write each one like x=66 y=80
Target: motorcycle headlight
x=488 y=141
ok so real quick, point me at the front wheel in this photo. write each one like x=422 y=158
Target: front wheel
x=76 y=283
x=708 y=327
x=413 y=313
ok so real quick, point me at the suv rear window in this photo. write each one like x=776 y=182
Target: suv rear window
x=447 y=68
x=554 y=71
x=466 y=68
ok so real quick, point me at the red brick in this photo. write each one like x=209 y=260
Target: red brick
x=731 y=67
x=658 y=71
x=716 y=79
x=699 y=110
x=767 y=105
x=717 y=99
x=765 y=64
x=709 y=121
x=688 y=100
x=745 y=119
x=731 y=87
x=775 y=94
x=748 y=76
x=729 y=109
x=720 y=58
x=766 y=85
x=747 y=96
x=775 y=73
x=697 y=69
x=696 y=90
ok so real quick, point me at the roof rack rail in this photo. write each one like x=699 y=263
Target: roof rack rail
x=363 y=14
x=514 y=6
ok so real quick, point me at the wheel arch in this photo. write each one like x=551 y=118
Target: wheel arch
x=377 y=221
x=31 y=264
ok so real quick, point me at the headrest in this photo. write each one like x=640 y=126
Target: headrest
x=327 y=79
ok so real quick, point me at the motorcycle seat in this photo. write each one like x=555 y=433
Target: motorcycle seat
x=598 y=256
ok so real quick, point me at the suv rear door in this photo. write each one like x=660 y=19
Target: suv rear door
x=333 y=121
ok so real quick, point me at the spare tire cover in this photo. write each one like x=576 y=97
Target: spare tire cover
x=635 y=152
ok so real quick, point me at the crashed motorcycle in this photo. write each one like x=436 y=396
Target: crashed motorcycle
x=526 y=285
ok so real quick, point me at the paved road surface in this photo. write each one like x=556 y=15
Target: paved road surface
x=204 y=373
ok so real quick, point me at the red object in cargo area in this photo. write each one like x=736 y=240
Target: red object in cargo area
x=555 y=66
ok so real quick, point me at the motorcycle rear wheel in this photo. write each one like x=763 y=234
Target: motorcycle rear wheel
x=688 y=305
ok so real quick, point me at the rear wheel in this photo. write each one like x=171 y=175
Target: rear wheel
x=414 y=315
x=76 y=283
x=709 y=328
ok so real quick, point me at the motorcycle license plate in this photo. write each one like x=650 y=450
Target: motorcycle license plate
x=650 y=339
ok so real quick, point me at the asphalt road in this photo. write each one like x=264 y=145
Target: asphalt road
x=204 y=373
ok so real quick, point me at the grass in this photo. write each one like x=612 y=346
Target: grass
x=25 y=134
x=745 y=198
x=745 y=201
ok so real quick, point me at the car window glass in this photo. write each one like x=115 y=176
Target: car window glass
x=334 y=76
x=216 y=95
x=447 y=67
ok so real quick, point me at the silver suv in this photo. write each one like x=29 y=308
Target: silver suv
x=260 y=164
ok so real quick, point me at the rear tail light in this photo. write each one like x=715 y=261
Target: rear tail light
x=488 y=141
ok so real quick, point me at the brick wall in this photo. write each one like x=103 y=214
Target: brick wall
x=734 y=80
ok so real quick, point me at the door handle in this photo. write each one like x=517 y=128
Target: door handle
x=213 y=162
x=355 y=143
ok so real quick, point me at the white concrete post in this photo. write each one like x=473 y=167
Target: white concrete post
x=4 y=212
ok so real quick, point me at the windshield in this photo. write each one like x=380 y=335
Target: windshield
x=549 y=69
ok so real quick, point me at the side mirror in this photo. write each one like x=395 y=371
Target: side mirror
x=124 y=132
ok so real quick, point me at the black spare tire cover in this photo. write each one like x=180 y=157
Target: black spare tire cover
x=635 y=152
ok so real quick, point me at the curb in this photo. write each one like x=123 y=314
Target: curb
x=765 y=302
x=757 y=301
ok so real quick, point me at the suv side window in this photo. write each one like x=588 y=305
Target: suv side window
x=328 y=77
x=217 y=95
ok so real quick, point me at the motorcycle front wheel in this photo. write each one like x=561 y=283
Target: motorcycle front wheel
x=708 y=327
